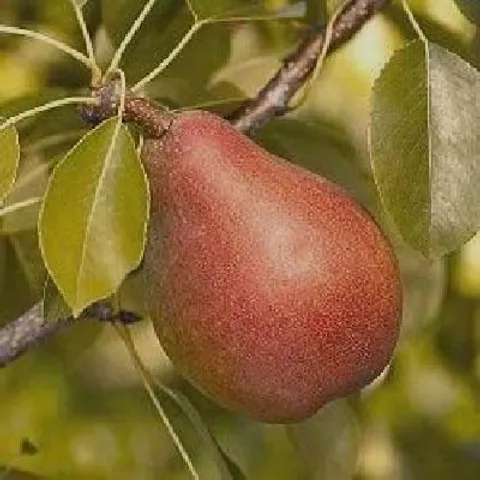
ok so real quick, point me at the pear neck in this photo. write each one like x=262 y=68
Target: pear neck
x=153 y=121
x=151 y=118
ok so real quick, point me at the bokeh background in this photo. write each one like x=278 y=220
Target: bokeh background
x=75 y=408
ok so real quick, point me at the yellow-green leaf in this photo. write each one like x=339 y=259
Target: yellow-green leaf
x=93 y=221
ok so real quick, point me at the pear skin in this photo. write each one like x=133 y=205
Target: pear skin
x=270 y=288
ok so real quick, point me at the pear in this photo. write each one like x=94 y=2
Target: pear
x=269 y=287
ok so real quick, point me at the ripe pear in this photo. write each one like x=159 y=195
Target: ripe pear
x=270 y=288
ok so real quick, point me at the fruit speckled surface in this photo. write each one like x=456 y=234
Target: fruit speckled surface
x=270 y=288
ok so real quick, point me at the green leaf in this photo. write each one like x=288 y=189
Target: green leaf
x=176 y=84
x=9 y=159
x=470 y=8
x=333 y=5
x=424 y=288
x=227 y=468
x=93 y=221
x=131 y=296
x=317 y=12
x=30 y=184
x=55 y=307
x=7 y=473
x=329 y=442
x=323 y=147
x=163 y=29
x=225 y=9
x=38 y=127
x=22 y=274
x=424 y=146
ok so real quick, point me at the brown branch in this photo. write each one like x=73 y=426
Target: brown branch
x=30 y=329
x=275 y=96
x=26 y=332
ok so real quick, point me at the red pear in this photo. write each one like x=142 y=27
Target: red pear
x=270 y=288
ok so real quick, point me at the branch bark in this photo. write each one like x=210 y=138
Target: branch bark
x=273 y=99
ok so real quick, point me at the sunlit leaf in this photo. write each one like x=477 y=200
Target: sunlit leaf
x=9 y=159
x=425 y=146
x=92 y=225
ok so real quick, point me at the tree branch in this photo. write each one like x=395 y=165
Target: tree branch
x=30 y=329
x=275 y=96
x=26 y=332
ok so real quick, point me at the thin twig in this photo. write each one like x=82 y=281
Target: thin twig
x=96 y=72
x=27 y=331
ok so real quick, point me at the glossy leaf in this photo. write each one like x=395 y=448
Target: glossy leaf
x=425 y=147
x=92 y=224
x=9 y=159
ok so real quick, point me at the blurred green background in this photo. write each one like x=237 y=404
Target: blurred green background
x=75 y=408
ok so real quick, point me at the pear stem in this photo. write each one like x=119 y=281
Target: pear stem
x=153 y=122
x=150 y=117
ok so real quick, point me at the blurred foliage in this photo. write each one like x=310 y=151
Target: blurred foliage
x=75 y=408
